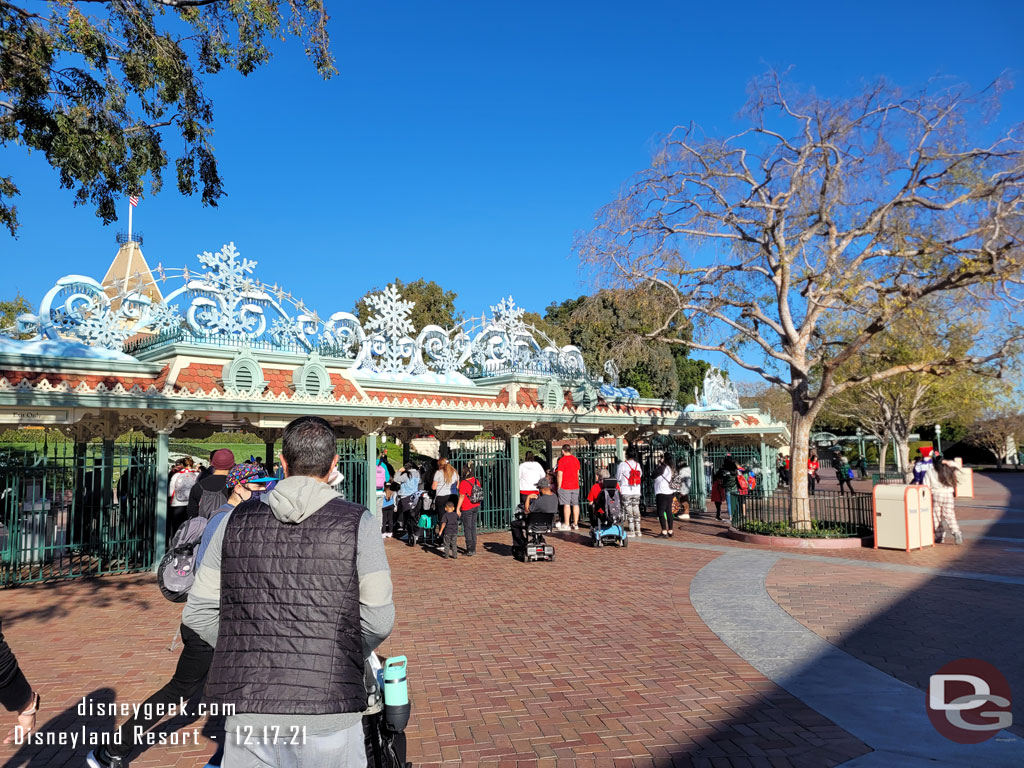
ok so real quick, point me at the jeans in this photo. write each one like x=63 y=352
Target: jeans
x=193 y=664
x=344 y=748
x=451 y=548
x=469 y=528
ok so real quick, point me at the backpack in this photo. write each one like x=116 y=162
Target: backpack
x=476 y=492
x=210 y=502
x=382 y=476
x=635 y=475
x=177 y=570
x=183 y=487
x=741 y=481
x=611 y=505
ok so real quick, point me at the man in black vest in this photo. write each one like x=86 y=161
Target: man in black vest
x=294 y=591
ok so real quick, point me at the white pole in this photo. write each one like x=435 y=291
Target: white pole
x=130 y=206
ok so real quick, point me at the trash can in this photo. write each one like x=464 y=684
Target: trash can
x=902 y=517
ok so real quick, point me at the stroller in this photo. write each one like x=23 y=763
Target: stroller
x=385 y=747
x=606 y=517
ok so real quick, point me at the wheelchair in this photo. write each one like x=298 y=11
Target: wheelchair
x=535 y=547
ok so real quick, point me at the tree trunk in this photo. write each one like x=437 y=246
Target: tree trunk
x=903 y=446
x=883 y=452
x=799 y=453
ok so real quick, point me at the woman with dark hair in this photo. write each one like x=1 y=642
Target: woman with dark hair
x=663 y=494
x=941 y=479
x=470 y=496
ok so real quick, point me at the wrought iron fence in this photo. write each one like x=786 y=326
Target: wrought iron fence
x=492 y=466
x=651 y=454
x=592 y=459
x=832 y=514
x=888 y=478
x=352 y=466
x=73 y=510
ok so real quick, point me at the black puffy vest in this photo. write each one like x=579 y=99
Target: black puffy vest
x=290 y=639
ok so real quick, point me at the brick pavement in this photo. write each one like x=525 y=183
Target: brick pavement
x=595 y=659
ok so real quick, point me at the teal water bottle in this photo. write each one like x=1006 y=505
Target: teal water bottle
x=396 y=694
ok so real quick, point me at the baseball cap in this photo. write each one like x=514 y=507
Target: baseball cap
x=246 y=472
x=543 y=483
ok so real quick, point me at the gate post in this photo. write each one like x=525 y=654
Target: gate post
x=513 y=468
x=620 y=451
x=163 y=446
x=370 y=494
x=697 y=473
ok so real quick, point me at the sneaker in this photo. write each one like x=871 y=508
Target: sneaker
x=93 y=761
x=470 y=554
x=685 y=517
x=639 y=534
x=958 y=538
x=575 y=527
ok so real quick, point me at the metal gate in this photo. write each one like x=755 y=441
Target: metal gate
x=592 y=458
x=650 y=456
x=72 y=510
x=492 y=466
x=352 y=466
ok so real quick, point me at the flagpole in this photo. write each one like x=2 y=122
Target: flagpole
x=130 y=206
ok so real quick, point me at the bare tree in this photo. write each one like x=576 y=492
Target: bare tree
x=999 y=433
x=824 y=211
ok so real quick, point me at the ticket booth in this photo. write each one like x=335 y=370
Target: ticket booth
x=903 y=517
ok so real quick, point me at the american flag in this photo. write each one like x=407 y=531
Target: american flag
x=133 y=200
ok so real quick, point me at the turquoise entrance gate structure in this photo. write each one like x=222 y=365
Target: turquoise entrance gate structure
x=192 y=352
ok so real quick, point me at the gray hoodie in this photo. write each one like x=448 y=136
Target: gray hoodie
x=292 y=501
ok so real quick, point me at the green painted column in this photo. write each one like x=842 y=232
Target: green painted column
x=163 y=446
x=697 y=475
x=370 y=496
x=513 y=468
x=766 y=473
x=620 y=450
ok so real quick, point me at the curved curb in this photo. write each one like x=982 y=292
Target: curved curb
x=888 y=715
x=794 y=542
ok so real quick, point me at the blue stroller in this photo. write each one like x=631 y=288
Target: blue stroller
x=606 y=517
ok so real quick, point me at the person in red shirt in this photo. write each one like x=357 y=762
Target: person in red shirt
x=568 y=474
x=467 y=509
x=812 y=472
x=605 y=481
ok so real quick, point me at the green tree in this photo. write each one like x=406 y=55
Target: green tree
x=9 y=311
x=433 y=304
x=96 y=86
x=607 y=326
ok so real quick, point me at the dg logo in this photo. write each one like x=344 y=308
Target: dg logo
x=969 y=701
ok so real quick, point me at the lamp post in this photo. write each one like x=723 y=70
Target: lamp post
x=938 y=436
x=860 y=443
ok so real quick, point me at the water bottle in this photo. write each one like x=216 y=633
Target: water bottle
x=396 y=694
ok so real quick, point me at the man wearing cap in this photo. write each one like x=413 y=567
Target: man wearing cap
x=546 y=502
x=211 y=492
x=196 y=654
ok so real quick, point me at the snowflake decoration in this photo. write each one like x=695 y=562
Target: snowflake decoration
x=392 y=318
x=103 y=329
x=286 y=330
x=227 y=270
x=164 y=317
x=508 y=315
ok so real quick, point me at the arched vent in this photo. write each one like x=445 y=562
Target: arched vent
x=314 y=386
x=244 y=379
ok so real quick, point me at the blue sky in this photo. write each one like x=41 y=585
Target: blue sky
x=468 y=142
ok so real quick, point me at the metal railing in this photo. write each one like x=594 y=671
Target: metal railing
x=832 y=514
x=888 y=478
